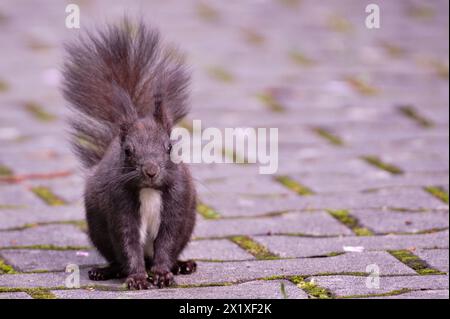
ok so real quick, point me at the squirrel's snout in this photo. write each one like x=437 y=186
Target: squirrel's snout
x=150 y=170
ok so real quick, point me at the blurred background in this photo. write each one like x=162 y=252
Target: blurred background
x=363 y=120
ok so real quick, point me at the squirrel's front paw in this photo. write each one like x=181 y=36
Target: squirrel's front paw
x=162 y=279
x=137 y=281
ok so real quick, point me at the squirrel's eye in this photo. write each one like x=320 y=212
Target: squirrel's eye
x=169 y=148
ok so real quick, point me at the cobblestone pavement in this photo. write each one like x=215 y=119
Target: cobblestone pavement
x=362 y=184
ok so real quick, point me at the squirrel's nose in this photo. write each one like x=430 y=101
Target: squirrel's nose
x=150 y=170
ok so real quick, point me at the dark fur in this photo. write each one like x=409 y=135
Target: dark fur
x=127 y=92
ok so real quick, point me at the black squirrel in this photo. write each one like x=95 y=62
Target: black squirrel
x=126 y=91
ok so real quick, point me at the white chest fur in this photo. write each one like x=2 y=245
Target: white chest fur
x=150 y=212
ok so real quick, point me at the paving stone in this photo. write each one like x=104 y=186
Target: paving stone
x=219 y=249
x=14 y=295
x=389 y=221
x=49 y=260
x=425 y=294
x=17 y=195
x=361 y=285
x=58 y=235
x=290 y=246
x=235 y=271
x=248 y=290
x=14 y=218
x=311 y=223
x=436 y=258
x=353 y=89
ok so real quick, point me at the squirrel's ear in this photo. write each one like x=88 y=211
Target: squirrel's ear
x=160 y=113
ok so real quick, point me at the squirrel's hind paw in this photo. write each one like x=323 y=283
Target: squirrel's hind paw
x=105 y=273
x=184 y=267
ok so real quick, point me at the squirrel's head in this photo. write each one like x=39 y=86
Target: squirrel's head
x=145 y=147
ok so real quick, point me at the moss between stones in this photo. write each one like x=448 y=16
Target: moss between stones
x=6 y=269
x=207 y=212
x=35 y=293
x=375 y=161
x=312 y=289
x=385 y=294
x=254 y=248
x=411 y=113
x=294 y=185
x=300 y=59
x=47 y=196
x=414 y=262
x=207 y=13
x=350 y=221
x=234 y=156
x=361 y=86
x=333 y=139
x=220 y=74
x=5 y=171
x=3 y=86
x=271 y=102
x=438 y=192
x=253 y=37
x=39 y=112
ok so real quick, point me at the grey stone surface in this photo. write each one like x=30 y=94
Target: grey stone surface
x=219 y=249
x=249 y=290
x=311 y=223
x=425 y=294
x=292 y=65
x=58 y=235
x=397 y=222
x=343 y=286
x=14 y=295
x=16 y=218
x=436 y=258
x=290 y=246
x=235 y=271
x=27 y=260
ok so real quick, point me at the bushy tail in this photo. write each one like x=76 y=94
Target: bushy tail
x=113 y=76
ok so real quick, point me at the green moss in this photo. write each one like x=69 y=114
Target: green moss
x=6 y=269
x=335 y=253
x=412 y=114
x=5 y=171
x=207 y=13
x=350 y=221
x=312 y=289
x=234 y=156
x=414 y=262
x=35 y=293
x=253 y=37
x=252 y=247
x=361 y=86
x=3 y=86
x=300 y=59
x=294 y=185
x=385 y=294
x=339 y=24
x=207 y=212
x=272 y=103
x=333 y=139
x=48 y=196
x=438 y=192
x=375 y=161
x=39 y=112
x=220 y=74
